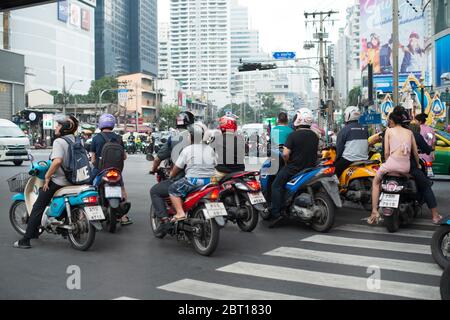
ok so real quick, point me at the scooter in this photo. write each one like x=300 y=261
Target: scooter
x=73 y=213
x=440 y=244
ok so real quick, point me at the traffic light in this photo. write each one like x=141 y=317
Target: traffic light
x=256 y=66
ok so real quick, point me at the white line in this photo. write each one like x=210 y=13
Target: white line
x=370 y=244
x=393 y=288
x=125 y=298
x=223 y=292
x=359 y=261
x=415 y=233
x=423 y=222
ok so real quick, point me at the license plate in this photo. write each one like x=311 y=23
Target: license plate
x=113 y=192
x=94 y=213
x=256 y=198
x=216 y=209
x=390 y=200
x=430 y=172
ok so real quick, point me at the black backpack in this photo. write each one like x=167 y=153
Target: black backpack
x=112 y=155
x=77 y=169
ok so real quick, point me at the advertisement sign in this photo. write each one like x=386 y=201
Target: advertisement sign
x=442 y=61
x=85 y=19
x=75 y=15
x=48 y=122
x=377 y=40
x=123 y=96
x=63 y=10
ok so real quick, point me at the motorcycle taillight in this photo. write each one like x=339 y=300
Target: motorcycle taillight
x=112 y=176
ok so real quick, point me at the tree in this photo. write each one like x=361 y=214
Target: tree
x=354 y=96
x=98 y=86
x=237 y=109
x=168 y=116
x=270 y=108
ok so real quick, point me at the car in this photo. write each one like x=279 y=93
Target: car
x=14 y=144
x=441 y=164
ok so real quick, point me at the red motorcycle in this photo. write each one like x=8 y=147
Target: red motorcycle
x=206 y=215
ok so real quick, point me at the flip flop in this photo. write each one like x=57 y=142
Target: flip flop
x=437 y=222
x=175 y=219
x=127 y=222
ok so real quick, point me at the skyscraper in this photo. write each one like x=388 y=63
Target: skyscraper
x=126 y=37
x=164 y=51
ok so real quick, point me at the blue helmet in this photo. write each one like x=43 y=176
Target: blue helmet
x=107 y=121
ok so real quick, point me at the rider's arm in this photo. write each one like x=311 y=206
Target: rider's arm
x=56 y=164
x=286 y=154
x=415 y=150
x=387 y=148
x=175 y=171
x=340 y=143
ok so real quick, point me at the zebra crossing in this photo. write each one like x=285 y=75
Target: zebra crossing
x=329 y=266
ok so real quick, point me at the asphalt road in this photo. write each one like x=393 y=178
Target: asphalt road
x=291 y=262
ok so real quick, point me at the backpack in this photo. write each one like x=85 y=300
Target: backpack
x=112 y=155
x=78 y=168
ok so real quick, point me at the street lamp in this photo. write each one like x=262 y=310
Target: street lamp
x=66 y=94
x=100 y=95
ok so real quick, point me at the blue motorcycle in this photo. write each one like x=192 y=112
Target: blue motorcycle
x=312 y=195
x=440 y=244
x=73 y=213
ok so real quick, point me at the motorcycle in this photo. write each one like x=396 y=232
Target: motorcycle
x=108 y=184
x=131 y=147
x=312 y=195
x=355 y=183
x=440 y=244
x=243 y=199
x=73 y=213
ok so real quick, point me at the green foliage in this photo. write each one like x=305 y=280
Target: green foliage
x=353 y=96
x=270 y=108
x=168 y=116
x=238 y=110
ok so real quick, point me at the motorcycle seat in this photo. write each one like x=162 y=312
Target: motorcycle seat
x=401 y=175
x=364 y=163
x=72 y=190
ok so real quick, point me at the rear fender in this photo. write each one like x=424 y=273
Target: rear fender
x=97 y=225
x=331 y=186
x=114 y=203
x=354 y=173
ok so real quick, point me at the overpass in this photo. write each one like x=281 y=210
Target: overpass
x=16 y=4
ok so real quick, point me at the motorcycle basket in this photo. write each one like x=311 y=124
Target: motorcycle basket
x=18 y=183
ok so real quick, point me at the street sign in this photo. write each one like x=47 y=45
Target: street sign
x=48 y=123
x=123 y=96
x=370 y=118
x=284 y=55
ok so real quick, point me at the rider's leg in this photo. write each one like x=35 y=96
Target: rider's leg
x=376 y=186
x=158 y=194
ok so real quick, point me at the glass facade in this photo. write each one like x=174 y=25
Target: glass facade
x=442 y=15
x=126 y=37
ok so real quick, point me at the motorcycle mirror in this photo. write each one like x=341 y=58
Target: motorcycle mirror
x=30 y=157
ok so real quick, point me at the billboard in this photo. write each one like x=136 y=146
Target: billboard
x=377 y=40
x=442 y=61
x=63 y=10
x=75 y=15
x=85 y=19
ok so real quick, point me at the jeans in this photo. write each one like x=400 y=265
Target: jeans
x=341 y=165
x=278 y=189
x=158 y=194
x=43 y=200
x=424 y=187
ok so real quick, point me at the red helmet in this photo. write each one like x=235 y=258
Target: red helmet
x=228 y=124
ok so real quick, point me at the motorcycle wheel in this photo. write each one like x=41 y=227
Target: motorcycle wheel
x=18 y=215
x=83 y=235
x=392 y=222
x=155 y=223
x=439 y=246
x=326 y=221
x=206 y=240
x=445 y=284
x=249 y=224
x=111 y=222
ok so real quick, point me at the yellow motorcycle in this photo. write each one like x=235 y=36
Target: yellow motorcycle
x=355 y=183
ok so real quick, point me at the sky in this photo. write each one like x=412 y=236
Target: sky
x=281 y=23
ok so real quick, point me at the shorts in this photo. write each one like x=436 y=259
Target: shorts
x=183 y=187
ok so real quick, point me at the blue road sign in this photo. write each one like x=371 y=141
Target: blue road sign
x=284 y=55
x=370 y=118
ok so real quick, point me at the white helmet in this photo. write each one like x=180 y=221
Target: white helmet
x=352 y=113
x=304 y=117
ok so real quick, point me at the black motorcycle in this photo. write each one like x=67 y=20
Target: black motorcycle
x=131 y=147
x=440 y=244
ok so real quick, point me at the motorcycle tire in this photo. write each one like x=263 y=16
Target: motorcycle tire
x=155 y=223
x=21 y=229
x=81 y=225
x=214 y=230
x=392 y=222
x=445 y=284
x=251 y=222
x=111 y=222
x=325 y=225
x=436 y=246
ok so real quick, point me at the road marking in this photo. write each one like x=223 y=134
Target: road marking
x=223 y=292
x=359 y=261
x=423 y=222
x=415 y=233
x=370 y=244
x=393 y=288
x=126 y=298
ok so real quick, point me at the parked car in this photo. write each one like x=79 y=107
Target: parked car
x=441 y=164
x=14 y=144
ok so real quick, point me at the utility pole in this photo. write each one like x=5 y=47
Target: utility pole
x=64 y=91
x=395 y=21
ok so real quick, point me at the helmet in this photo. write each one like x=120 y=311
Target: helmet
x=69 y=124
x=228 y=124
x=304 y=117
x=107 y=121
x=352 y=113
x=197 y=132
x=185 y=119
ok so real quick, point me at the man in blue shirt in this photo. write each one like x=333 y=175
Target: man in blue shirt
x=281 y=132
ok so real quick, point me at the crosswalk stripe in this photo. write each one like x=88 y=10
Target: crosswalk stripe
x=415 y=233
x=223 y=292
x=423 y=222
x=370 y=244
x=359 y=261
x=393 y=288
x=126 y=298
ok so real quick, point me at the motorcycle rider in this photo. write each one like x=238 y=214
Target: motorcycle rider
x=300 y=152
x=281 y=132
x=55 y=178
x=428 y=134
x=106 y=124
x=352 y=141
x=160 y=191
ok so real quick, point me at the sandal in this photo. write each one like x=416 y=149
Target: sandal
x=175 y=219
x=126 y=222
x=373 y=221
x=438 y=221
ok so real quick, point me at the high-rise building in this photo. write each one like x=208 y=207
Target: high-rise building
x=163 y=51
x=200 y=39
x=342 y=63
x=126 y=37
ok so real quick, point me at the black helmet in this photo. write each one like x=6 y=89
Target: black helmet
x=185 y=119
x=69 y=124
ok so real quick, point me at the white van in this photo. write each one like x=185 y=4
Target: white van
x=14 y=144
x=249 y=129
